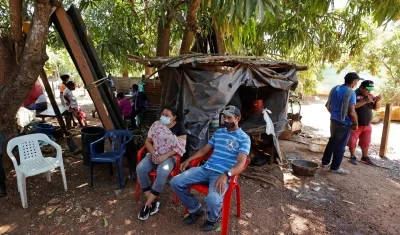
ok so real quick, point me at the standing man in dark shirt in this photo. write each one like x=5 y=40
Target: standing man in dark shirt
x=139 y=105
x=366 y=102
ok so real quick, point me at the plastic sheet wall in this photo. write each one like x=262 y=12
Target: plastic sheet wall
x=206 y=93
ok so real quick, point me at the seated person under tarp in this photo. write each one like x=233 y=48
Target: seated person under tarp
x=40 y=104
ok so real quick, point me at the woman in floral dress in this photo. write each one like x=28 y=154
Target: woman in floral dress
x=166 y=139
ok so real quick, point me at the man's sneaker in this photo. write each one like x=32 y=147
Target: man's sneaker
x=154 y=207
x=208 y=226
x=192 y=217
x=353 y=160
x=324 y=166
x=144 y=213
x=340 y=171
x=368 y=161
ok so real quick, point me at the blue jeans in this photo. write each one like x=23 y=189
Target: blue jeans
x=340 y=134
x=199 y=175
x=163 y=171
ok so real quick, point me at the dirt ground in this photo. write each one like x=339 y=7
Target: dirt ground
x=365 y=202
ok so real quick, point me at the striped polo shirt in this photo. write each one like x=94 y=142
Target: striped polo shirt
x=227 y=146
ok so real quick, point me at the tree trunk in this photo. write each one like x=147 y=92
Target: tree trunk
x=23 y=76
x=16 y=26
x=190 y=27
x=163 y=38
x=218 y=40
x=7 y=60
x=208 y=39
x=200 y=44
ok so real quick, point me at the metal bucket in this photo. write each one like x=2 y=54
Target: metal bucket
x=305 y=167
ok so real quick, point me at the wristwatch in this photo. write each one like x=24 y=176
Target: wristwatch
x=229 y=174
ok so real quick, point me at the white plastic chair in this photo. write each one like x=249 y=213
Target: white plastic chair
x=32 y=161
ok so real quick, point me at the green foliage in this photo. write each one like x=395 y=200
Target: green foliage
x=308 y=32
x=60 y=62
x=117 y=29
x=379 y=57
x=4 y=17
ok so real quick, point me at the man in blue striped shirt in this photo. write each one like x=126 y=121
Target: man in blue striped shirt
x=231 y=147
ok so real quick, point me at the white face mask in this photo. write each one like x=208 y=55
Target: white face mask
x=165 y=120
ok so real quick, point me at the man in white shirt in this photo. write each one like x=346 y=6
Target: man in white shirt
x=40 y=103
x=70 y=99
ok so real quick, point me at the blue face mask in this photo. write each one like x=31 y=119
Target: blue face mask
x=165 y=120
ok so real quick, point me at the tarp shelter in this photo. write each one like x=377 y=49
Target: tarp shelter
x=202 y=85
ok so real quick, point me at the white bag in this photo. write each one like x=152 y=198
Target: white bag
x=24 y=117
x=269 y=129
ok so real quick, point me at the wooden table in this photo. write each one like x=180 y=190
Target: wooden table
x=49 y=112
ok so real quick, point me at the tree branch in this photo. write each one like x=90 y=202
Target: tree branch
x=164 y=32
x=16 y=27
x=132 y=3
x=389 y=69
x=16 y=20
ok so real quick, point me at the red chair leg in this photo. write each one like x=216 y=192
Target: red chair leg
x=137 y=191
x=226 y=206
x=238 y=205
x=176 y=199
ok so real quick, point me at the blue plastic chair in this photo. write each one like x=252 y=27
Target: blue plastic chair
x=3 y=191
x=119 y=139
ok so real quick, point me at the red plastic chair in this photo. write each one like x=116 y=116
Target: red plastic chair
x=153 y=173
x=226 y=203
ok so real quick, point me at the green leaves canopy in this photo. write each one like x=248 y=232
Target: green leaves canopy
x=380 y=57
x=310 y=32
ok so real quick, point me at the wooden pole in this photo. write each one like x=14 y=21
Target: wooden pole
x=53 y=102
x=83 y=66
x=385 y=131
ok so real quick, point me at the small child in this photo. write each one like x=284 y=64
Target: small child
x=71 y=101
x=124 y=106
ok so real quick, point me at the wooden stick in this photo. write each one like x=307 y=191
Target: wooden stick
x=352 y=203
x=261 y=179
x=385 y=131
x=53 y=102
x=83 y=65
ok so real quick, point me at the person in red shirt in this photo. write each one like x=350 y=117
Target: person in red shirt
x=36 y=91
x=365 y=103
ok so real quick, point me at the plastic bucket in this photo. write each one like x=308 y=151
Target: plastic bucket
x=45 y=128
x=257 y=106
x=89 y=135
